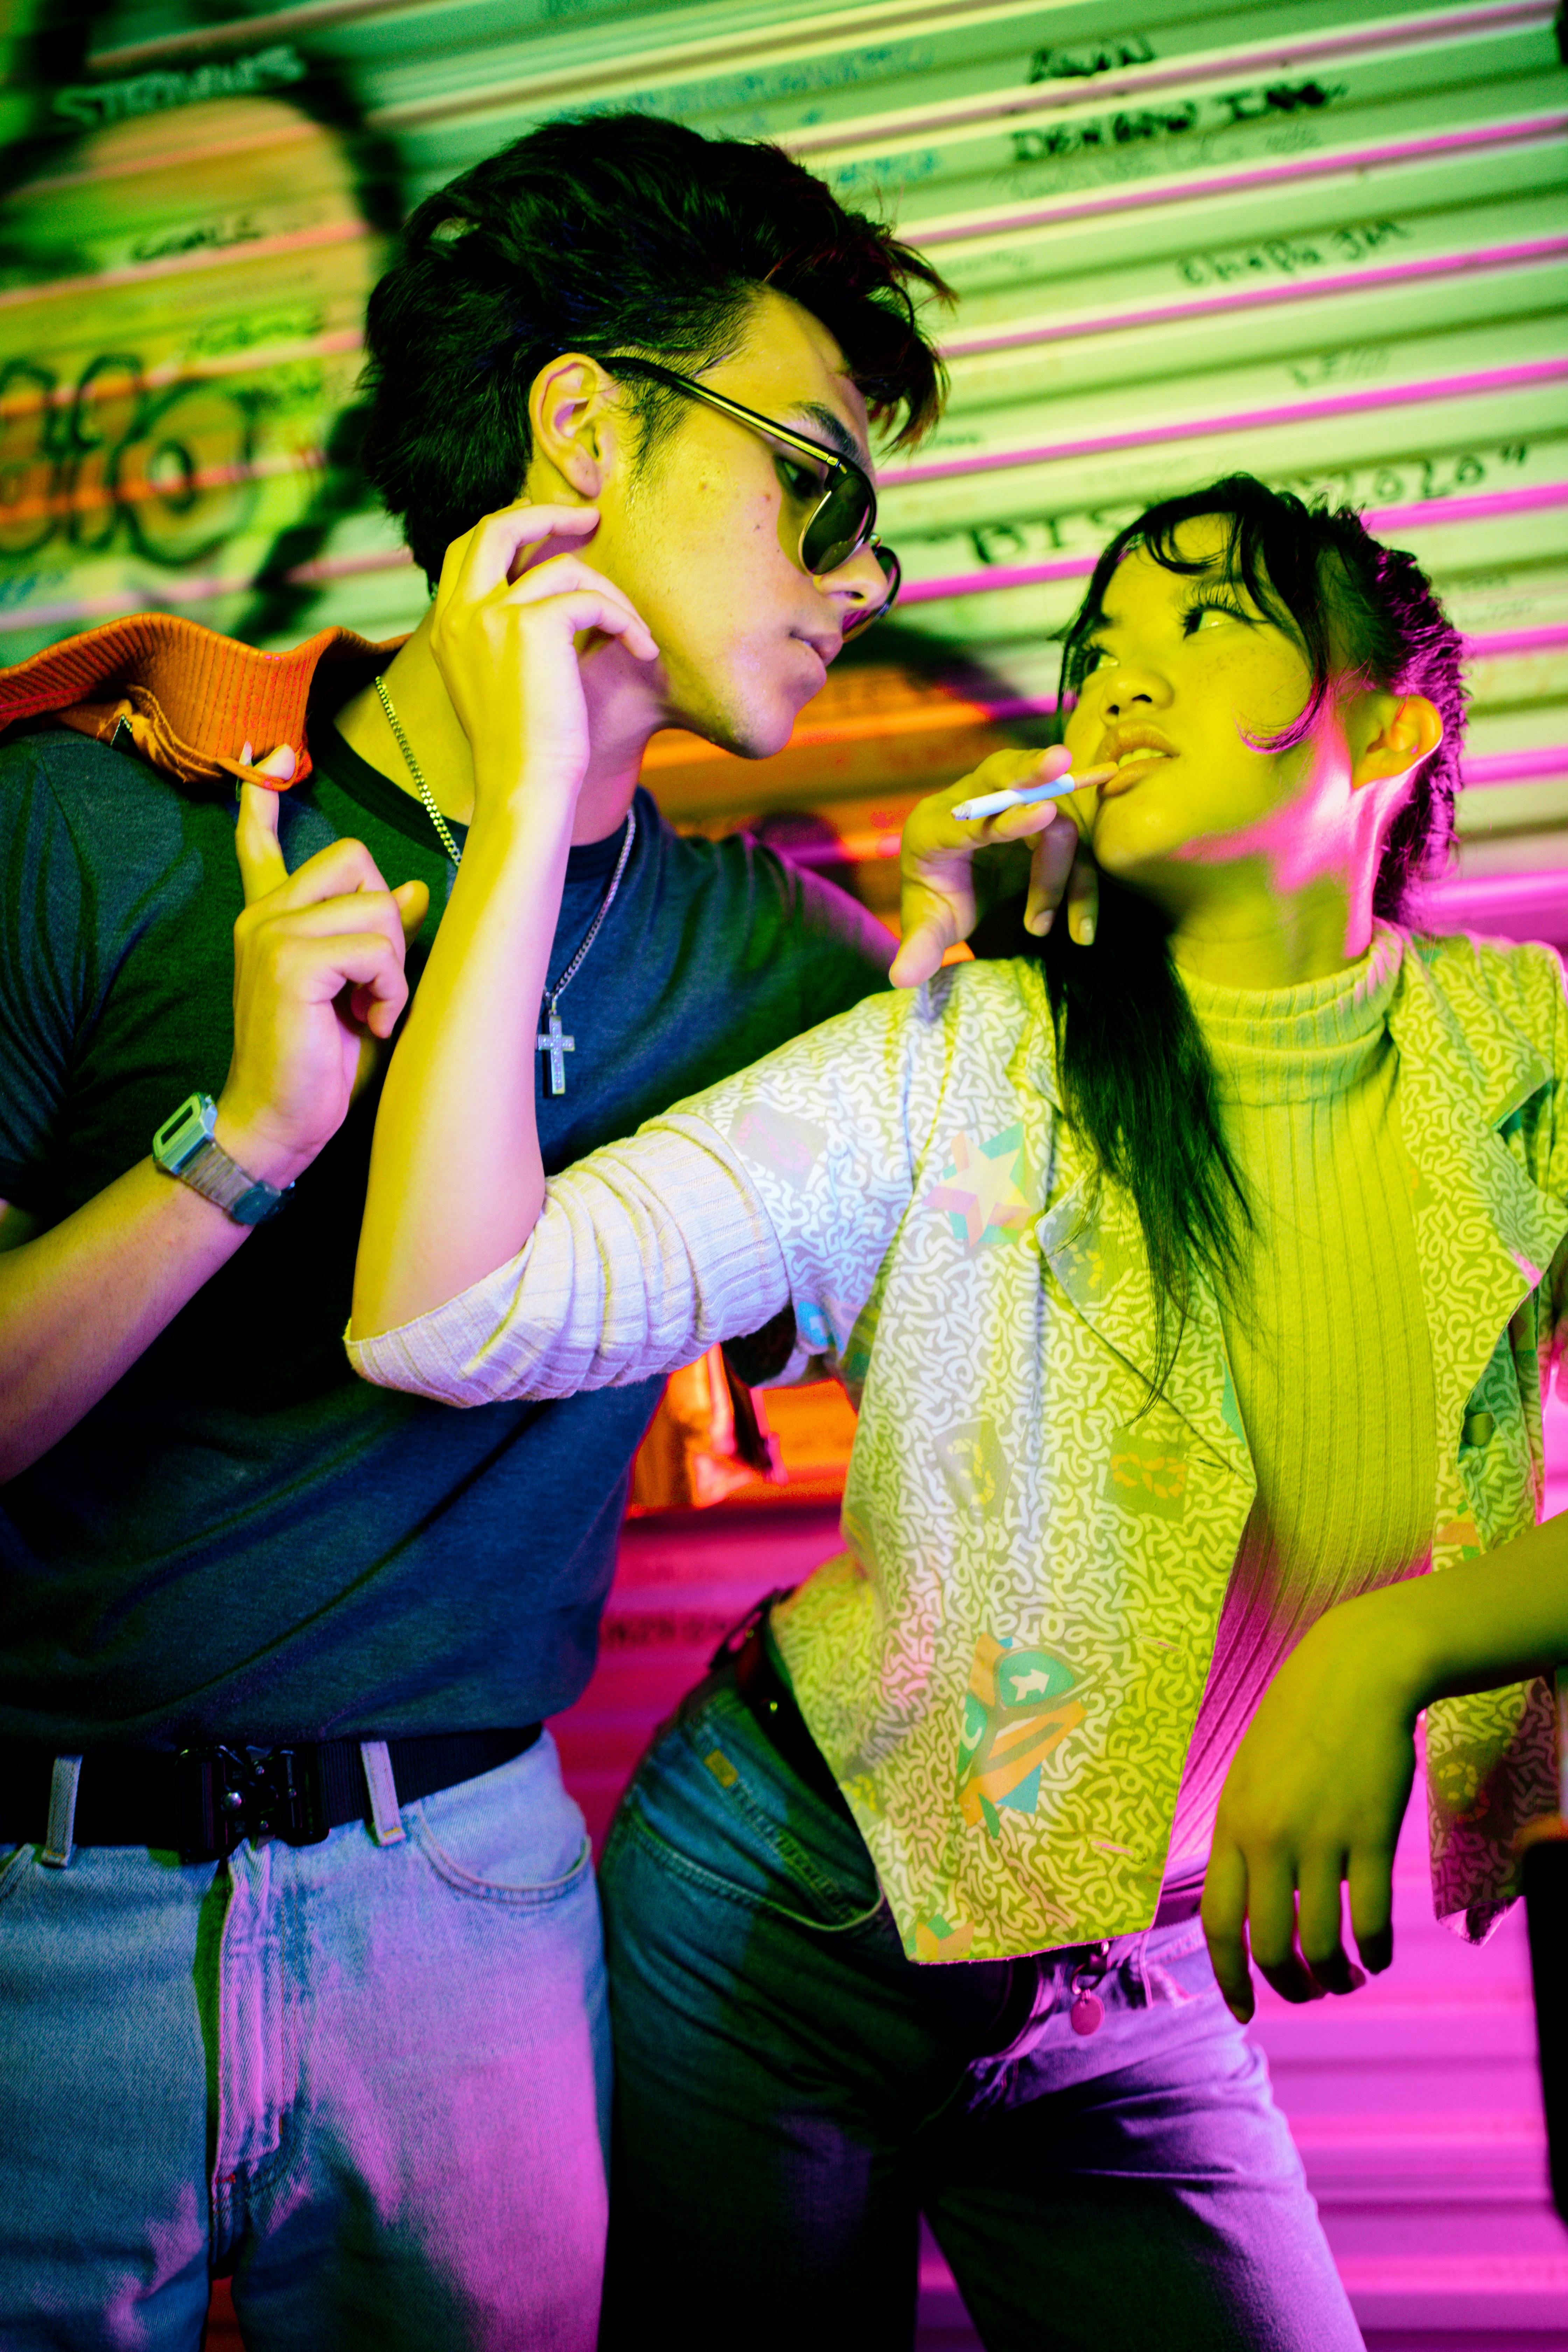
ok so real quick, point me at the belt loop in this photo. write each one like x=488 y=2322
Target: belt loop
x=59 y=1840
x=385 y=1820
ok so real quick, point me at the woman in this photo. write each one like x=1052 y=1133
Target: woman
x=1189 y=1286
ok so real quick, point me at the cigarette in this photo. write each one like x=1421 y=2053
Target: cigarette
x=998 y=804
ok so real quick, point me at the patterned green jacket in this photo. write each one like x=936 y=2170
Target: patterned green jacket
x=1004 y=1665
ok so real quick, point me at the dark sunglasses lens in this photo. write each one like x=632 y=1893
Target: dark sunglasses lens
x=892 y=574
x=839 y=526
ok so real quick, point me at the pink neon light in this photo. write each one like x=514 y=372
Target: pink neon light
x=1516 y=767
x=1543 y=640
x=1382 y=519
x=1167 y=73
x=1170 y=188
x=1250 y=297
x=178 y=265
x=184 y=370
x=1492 y=503
x=1494 y=893
x=1517 y=641
x=1245 y=420
x=1012 y=575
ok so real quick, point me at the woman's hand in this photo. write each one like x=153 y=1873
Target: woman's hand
x=1315 y=1796
x=941 y=903
x=504 y=636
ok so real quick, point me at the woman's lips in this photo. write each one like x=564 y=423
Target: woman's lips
x=1131 y=770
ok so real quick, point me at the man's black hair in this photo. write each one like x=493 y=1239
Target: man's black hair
x=613 y=231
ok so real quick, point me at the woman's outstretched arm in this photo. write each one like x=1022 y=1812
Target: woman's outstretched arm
x=1318 y=1786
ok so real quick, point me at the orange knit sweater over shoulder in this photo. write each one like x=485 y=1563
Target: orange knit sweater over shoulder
x=191 y=699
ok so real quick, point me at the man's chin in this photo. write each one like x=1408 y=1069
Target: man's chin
x=754 y=723
x=751 y=734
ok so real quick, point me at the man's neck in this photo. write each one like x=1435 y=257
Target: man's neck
x=435 y=737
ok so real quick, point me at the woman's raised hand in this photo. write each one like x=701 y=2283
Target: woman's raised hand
x=1313 y=1800
x=504 y=636
x=943 y=899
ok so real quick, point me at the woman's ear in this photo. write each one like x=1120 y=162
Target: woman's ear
x=1396 y=732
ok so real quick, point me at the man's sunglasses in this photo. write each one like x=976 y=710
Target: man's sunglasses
x=843 y=519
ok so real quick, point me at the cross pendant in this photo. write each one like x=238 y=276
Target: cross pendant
x=556 y=1047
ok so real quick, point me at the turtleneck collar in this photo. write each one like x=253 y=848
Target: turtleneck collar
x=1288 y=1044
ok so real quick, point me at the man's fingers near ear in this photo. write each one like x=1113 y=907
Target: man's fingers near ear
x=499 y=545
x=261 y=865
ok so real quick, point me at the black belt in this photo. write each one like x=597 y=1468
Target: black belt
x=772 y=1703
x=202 y=1802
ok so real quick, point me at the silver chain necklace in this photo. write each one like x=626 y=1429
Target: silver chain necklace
x=553 y=1043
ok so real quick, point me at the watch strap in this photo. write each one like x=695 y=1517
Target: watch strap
x=184 y=1147
x=247 y=1199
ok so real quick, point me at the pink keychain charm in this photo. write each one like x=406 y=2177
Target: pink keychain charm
x=1088 y=2011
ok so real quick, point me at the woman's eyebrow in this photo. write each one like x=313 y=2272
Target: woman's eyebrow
x=1219 y=570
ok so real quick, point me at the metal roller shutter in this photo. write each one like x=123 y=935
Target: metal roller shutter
x=1326 y=246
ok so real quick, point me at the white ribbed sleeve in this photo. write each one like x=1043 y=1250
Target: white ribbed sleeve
x=646 y=1253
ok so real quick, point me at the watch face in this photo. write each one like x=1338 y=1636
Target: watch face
x=184 y=1131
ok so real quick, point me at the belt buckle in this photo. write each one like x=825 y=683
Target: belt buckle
x=234 y=1794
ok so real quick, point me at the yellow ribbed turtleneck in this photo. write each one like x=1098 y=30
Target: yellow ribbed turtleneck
x=1326 y=1336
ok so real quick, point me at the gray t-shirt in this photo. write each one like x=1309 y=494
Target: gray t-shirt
x=242 y=1540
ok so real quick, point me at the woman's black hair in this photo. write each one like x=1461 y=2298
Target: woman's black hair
x=613 y=229
x=1135 y=1074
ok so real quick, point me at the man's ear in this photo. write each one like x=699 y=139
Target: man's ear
x=1398 y=733
x=577 y=428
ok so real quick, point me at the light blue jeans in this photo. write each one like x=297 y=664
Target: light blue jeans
x=792 y=2093
x=370 y=2080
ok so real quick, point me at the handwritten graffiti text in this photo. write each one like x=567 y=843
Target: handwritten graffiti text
x=1286 y=256
x=1129 y=126
x=92 y=105
x=1109 y=56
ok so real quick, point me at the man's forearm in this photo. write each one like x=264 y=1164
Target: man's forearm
x=80 y=1303
x=456 y=1180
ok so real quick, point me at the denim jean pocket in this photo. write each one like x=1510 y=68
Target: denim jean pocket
x=1176 y=1964
x=713 y=1804
x=514 y=1836
x=14 y=1861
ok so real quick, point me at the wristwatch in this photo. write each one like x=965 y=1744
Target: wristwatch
x=184 y=1146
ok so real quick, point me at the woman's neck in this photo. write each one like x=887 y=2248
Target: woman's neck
x=1236 y=931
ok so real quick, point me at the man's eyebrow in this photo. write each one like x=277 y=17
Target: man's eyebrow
x=834 y=430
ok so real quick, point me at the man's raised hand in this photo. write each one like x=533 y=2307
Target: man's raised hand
x=504 y=636
x=318 y=978
x=941 y=902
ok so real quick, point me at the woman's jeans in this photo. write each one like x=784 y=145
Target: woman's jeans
x=368 y=2079
x=791 y=2094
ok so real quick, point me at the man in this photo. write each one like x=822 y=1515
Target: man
x=299 y=1969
